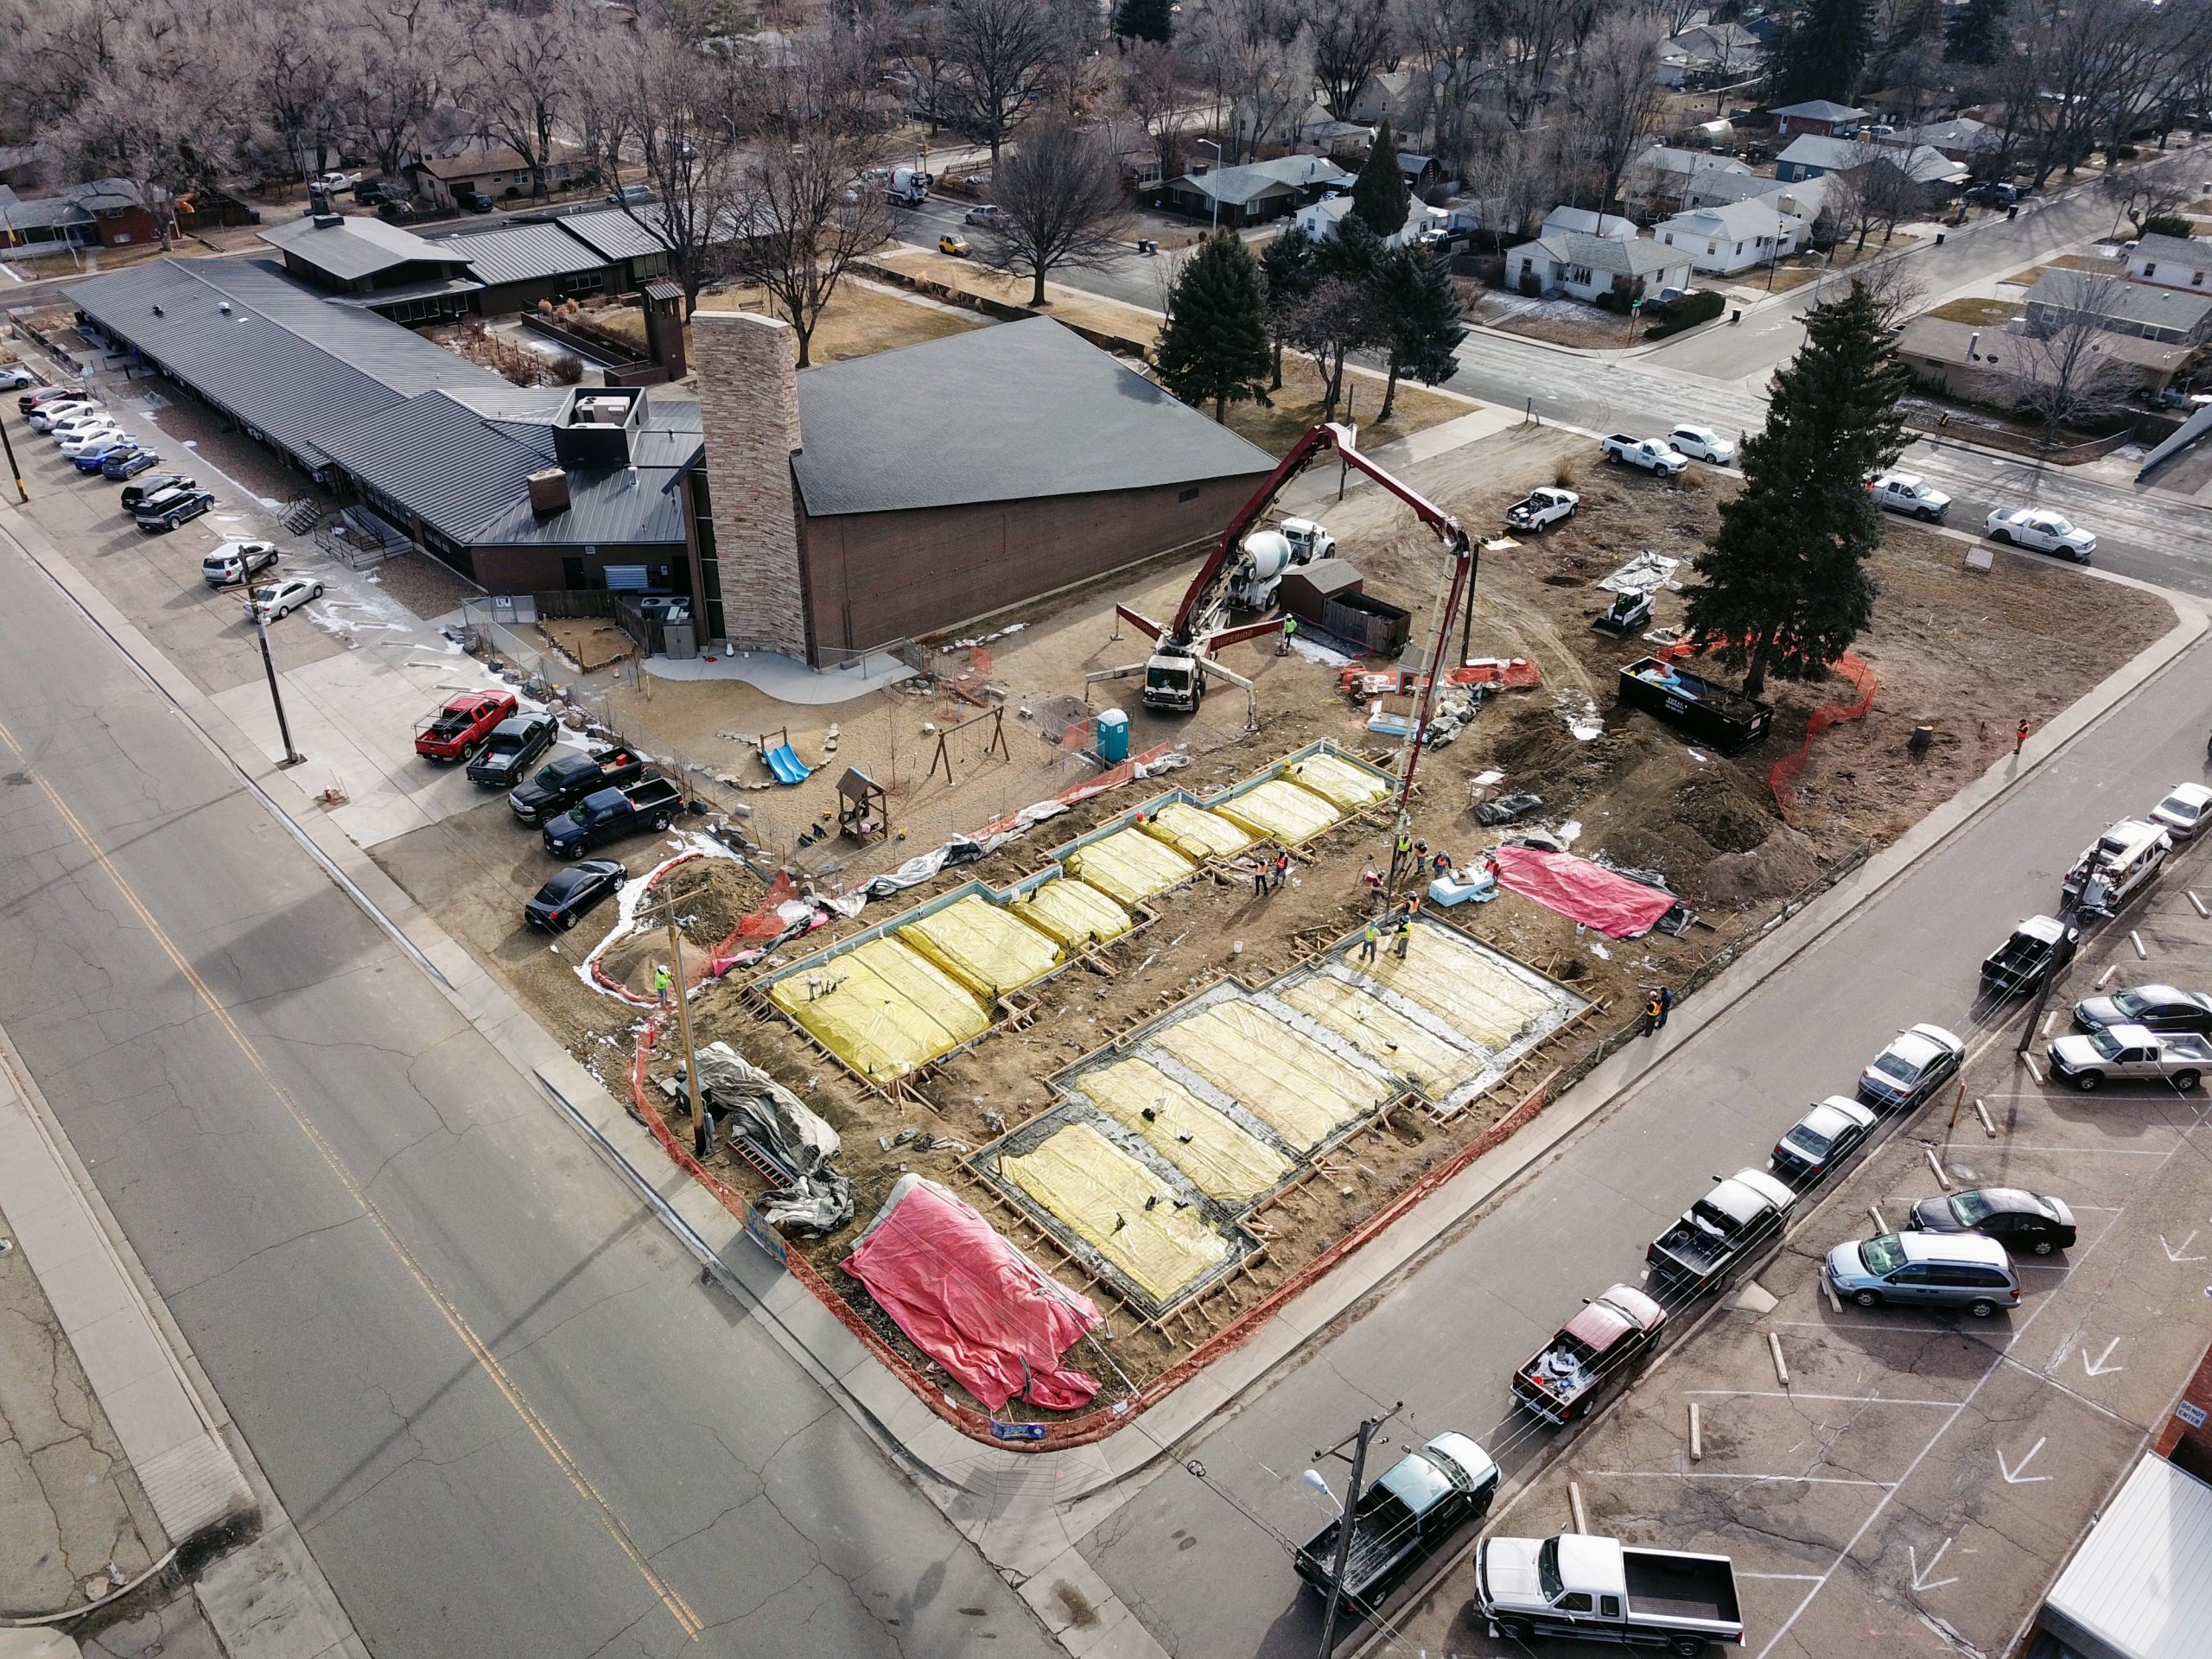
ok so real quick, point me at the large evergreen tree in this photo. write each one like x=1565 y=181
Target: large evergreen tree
x=1288 y=264
x=1379 y=197
x=1784 y=587
x=1144 y=19
x=1421 y=320
x=1823 y=52
x=1972 y=33
x=1214 y=344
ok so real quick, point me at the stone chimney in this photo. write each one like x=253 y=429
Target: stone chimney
x=748 y=408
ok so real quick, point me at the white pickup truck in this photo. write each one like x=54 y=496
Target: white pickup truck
x=2087 y=1059
x=1655 y=455
x=1909 y=493
x=1541 y=509
x=1593 y=1589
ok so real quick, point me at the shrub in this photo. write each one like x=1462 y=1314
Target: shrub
x=1672 y=316
x=1566 y=475
x=2168 y=225
x=1530 y=285
x=566 y=370
x=2125 y=153
x=1609 y=301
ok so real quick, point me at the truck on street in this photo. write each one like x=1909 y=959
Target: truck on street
x=1721 y=1231
x=1408 y=1513
x=2090 y=1059
x=609 y=814
x=568 y=777
x=1540 y=510
x=1909 y=493
x=1592 y=1356
x=2038 y=948
x=908 y=186
x=1656 y=455
x=1593 y=1589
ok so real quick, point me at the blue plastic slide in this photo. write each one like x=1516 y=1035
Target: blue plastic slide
x=787 y=766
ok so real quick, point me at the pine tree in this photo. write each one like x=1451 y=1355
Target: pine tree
x=1379 y=197
x=1421 y=319
x=1288 y=264
x=1972 y=34
x=1784 y=589
x=1824 y=51
x=1214 y=344
x=1144 y=19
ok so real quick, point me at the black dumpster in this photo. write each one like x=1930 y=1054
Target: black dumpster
x=1694 y=704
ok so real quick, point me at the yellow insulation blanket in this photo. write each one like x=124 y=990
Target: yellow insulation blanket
x=1222 y=1160
x=983 y=945
x=1283 y=1078
x=1100 y=1191
x=1282 y=811
x=891 y=1010
x=1194 y=832
x=1351 y=787
x=1469 y=991
x=1384 y=1035
x=1129 y=865
x=1074 y=914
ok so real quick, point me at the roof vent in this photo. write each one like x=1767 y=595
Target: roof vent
x=549 y=492
x=225 y=308
x=159 y=312
x=328 y=221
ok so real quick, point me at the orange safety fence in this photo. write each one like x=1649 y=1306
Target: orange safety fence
x=1782 y=777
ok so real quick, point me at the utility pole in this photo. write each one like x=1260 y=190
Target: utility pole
x=1358 y=1440
x=13 y=468
x=292 y=756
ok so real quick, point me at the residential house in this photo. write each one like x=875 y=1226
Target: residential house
x=1661 y=175
x=1319 y=219
x=1422 y=173
x=1820 y=118
x=498 y=171
x=1937 y=174
x=1709 y=55
x=1711 y=188
x=1817 y=156
x=1735 y=237
x=1962 y=138
x=1585 y=266
x=1254 y=191
x=2171 y=262
x=1961 y=360
x=1392 y=95
x=1320 y=131
x=1582 y=221
x=2146 y=311
x=106 y=213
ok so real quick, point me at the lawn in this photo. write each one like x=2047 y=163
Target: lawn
x=1802 y=268
x=1297 y=406
x=1070 y=305
x=860 y=319
x=1980 y=313
x=2067 y=262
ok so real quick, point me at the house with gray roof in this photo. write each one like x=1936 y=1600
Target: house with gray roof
x=1819 y=117
x=2118 y=306
x=1254 y=191
x=105 y=212
x=2171 y=262
x=1583 y=266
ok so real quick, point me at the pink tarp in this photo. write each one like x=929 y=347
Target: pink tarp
x=971 y=1301
x=1587 y=892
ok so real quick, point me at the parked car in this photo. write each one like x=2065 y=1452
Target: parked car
x=567 y=778
x=1992 y=193
x=1540 y=510
x=630 y=195
x=85 y=417
x=2116 y=866
x=14 y=378
x=2043 y=532
x=237 y=561
x=64 y=393
x=2016 y=1219
x=1703 y=443
x=136 y=495
x=129 y=463
x=396 y=208
x=1909 y=493
x=1655 y=455
x=2184 y=810
x=166 y=511
x=369 y=192
x=337 y=182
x=91 y=457
x=99 y=439
x=1597 y=1589
x=1925 y=1270
x=954 y=244
x=2092 y=1059
x=1821 y=1139
x=561 y=902
x=2157 y=1008
x=44 y=416
x=1914 y=1065
x=461 y=724
x=1593 y=1355
x=281 y=598
x=1411 y=1512
x=512 y=748
x=474 y=201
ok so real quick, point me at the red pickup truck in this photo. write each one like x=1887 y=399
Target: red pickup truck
x=454 y=731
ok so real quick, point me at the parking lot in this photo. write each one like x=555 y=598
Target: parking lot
x=1915 y=1480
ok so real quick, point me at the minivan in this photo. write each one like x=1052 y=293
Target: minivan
x=1914 y=1269
x=2117 y=865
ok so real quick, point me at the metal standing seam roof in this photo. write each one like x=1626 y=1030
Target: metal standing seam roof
x=284 y=360
x=521 y=253
x=359 y=245
x=2140 y=1586
x=614 y=234
x=1041 y=412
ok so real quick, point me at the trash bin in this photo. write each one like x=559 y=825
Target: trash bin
x=1113 y=736
x=2014 y=212
x=1737 y=316
x=1939 y=238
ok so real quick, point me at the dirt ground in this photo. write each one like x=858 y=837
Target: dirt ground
x=1563 y=323
x=1969 y=654
x=591 y=643
x=423 y=585
x=860 y=319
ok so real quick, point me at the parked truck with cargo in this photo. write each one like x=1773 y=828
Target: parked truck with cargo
x=454 y=731
x=1721 y=1231
x=2090 y=1059
x=568 y=777
x=1540 y=510
x=1593 y=1355
x=1592 y=1589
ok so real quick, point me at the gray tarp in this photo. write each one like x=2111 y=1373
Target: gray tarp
x=765 y=1112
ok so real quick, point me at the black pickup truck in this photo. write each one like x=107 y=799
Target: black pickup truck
x=1409 y=1513
x=567 y=778
x=609 y=814
x=1720 y=1231
x=2038 y=948
x=514 y=743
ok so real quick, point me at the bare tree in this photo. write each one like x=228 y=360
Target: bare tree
x=2140 y=196
x=1352 y=40
x=1003 y=54
x=521 y=80
x=297 y=57
x=1256 y=53
x=396 y=76
x=1538 y=35
x=1059 y=202
x=805 y=206
x=2064 y=368
x=1337 y=319
x=1612 y=97
x=1888 y=197
x=681 y=111
x=1894 y=285
x=1152 y=92
x=1451 y=39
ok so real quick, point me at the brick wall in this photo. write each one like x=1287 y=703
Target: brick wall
x=748 y=405
x=2187 y=1443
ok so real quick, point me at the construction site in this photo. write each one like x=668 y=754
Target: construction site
x=1082 y=981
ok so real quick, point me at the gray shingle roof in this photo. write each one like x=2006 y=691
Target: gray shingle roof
x=358 y=245
x=2141 y=303
x=284 y=361
x=1820 y=108
x=522 y=253
x=2177 y=250
x=1008 y=413
x=1238 y=185
x=1836 y=155
x=1620 y=256
x=461 y=460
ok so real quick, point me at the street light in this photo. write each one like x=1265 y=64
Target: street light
x=1216 y=192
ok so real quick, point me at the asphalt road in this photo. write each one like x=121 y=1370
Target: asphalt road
x=503 y=1410
x=1444 y=1334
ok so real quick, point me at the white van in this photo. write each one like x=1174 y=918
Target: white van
x=2114 y=867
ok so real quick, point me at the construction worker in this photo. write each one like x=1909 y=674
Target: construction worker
x=2020 y=735
x=1665 y=999
x=1400 y=850
x=1373 y=877
x=1405 y=934
x=662 y=981
x=1369 y=936
x=1289 y=633
x=1282 y=868
x=1654 y=1012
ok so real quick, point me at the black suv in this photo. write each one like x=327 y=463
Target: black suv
x=135 y=496
x=172 y=508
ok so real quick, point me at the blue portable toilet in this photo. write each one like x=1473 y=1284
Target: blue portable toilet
x=1113 y=736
